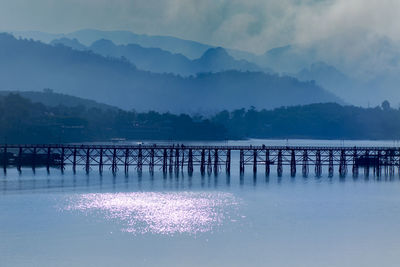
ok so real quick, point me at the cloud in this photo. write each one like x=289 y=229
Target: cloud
x=254 y=25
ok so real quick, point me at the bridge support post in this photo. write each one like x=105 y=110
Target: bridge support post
x=177 y=160
x=151 y=164
x=267 y=163
x=62 y=163
x=87 y=165
x=74 y=160
x=183 y=159
x=216 y=161
x=5 y=159
x=19 y=163
x=385 y=161
x=330 y=163
x=171 y=160
x=293 y=164
x=241 y=163
x=139 y=164
x=101 y=161
x=190 y=162
x=343 y=163
x=114 y=161
x=126 y=161
x=34 y=158
x=305 y=167
x=318 y=167
x=209 y=163
x=165 y=161
x=391 y=162
x=377 y=169
x=203 y=162
x=48 y=159
x=228 y=161
x=255 y=161
x=279 y=166
x=367 y=166
x=355 y=165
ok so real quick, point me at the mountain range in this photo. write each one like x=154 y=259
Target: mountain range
x=162 y=61
x=369 y=63
x=32 y=65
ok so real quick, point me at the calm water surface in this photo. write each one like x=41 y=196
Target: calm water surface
x=175 y=220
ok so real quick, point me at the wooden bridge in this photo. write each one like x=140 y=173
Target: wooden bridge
x=208 y=159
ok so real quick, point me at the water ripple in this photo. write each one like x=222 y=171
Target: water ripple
x=164 y=213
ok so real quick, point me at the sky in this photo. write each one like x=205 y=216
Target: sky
x=252 y=25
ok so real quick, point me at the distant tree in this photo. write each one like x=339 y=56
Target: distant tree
x=385 y=105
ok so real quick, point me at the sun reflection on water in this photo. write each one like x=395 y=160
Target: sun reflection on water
x=164 y=213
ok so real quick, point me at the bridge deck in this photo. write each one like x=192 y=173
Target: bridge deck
x=210 y=158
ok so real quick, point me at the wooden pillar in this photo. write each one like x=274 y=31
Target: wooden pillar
x=305 y=167
x=241 y=163
x=190 y=162
x=343 y=163
x=318 y=166
x=209 y=162
x=140 y=160
x=5 y=158
x=367 y=166
x=216 y=163
x=378 y=164
x=151 y=164
x=87 y=165
x=203 y=162
x=62 y=164
x=165 y=160
x=228 y=161
x=34 y=158
x=19 y=163
x=74 y=160
x=267 y=163
x=279 y=166
x=255 y=161
x=330 y=163
x=171 y=160
x=355 y=165
x=177 y=160
x=101 y=160
x=126 y=161
x=48 y=159
x=114 y=161
x=293 y=163
x=392 y=162
x=183 y=159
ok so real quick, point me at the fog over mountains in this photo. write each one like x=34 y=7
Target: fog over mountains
x=32 y=65
x=359 y=73
x=162 y=61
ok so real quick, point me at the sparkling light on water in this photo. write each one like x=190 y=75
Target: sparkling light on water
x=160 y=213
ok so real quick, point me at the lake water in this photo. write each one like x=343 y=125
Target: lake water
x=175 y=220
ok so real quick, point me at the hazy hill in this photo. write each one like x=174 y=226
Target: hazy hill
x=51 y=99
x=161 y=61
x=190 y=49
x=30 y=65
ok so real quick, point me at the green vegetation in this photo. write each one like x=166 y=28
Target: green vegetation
x=22 y=121
x=317 y=121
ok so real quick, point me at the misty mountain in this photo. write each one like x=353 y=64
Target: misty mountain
x=73 y=43
x=175 y=45
x=49 y=98
x=371 y=67
x=30 y=65
x=161 y=61
x=189 y=49
x=333 y=80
